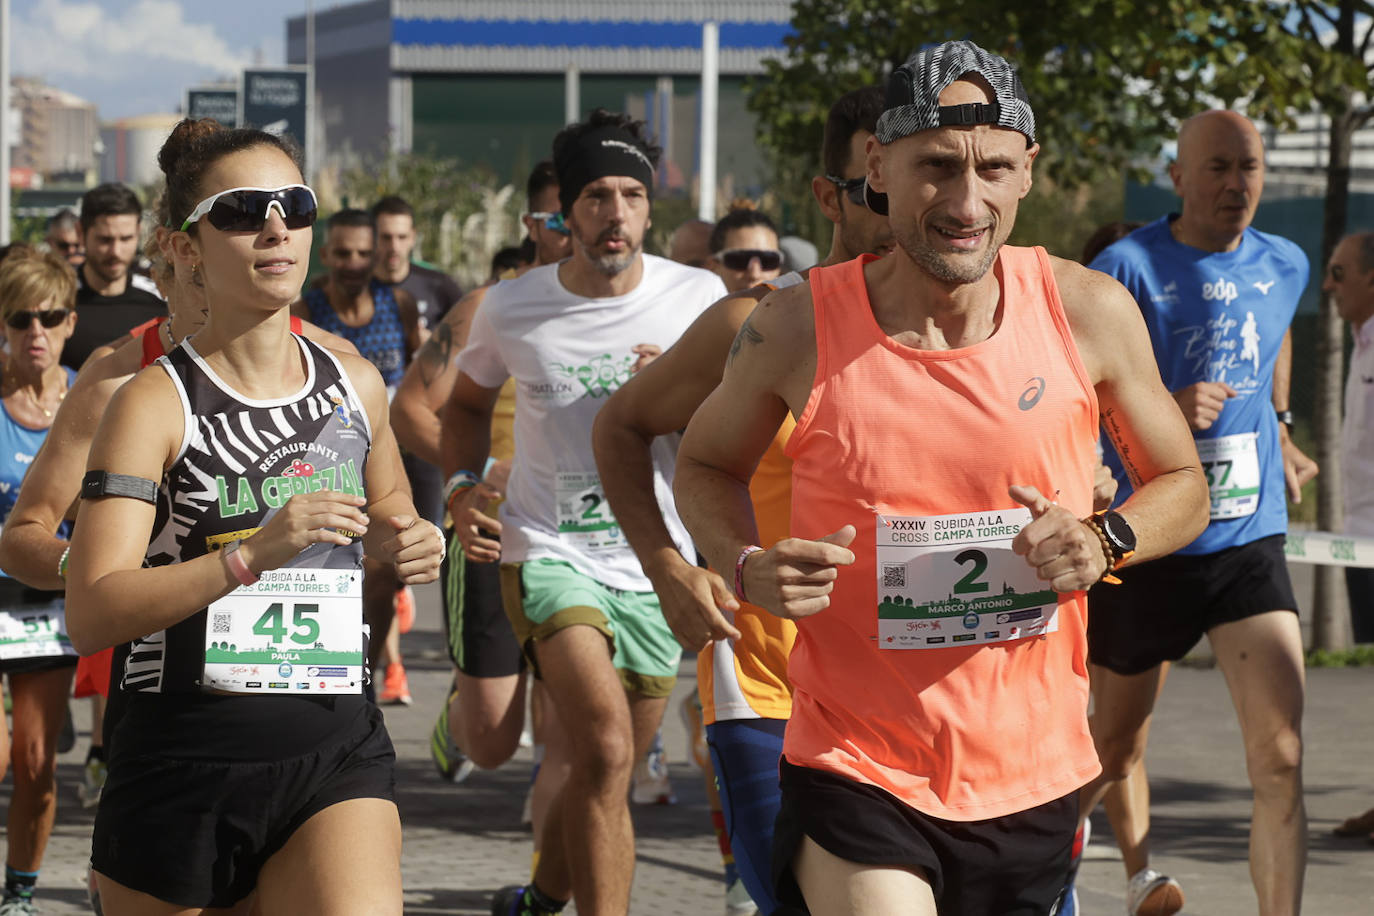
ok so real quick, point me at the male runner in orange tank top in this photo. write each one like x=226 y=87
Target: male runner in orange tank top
x=742 y=661
x=947 y=401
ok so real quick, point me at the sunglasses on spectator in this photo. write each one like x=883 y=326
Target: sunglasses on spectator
x=48 y=318
x=856 y=189
x=246 y=209
x=739 y=258
x=66 y=247
x=552 y=221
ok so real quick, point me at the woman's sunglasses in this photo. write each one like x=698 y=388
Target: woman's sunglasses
x=552 y=221
x=48 y=318
x=246 y=209
x=739 y=258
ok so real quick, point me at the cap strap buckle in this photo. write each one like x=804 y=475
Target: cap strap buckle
x=969 y=114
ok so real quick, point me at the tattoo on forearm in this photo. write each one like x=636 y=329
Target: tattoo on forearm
x=747 y=334
x=1123 y=448
x=434 y=356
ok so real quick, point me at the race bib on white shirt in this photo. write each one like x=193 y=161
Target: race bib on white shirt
x=293 y=631
x=1231 y=464
x=585 y=521
x=953 y=580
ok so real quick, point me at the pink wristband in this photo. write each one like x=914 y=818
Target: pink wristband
x=238 y=567
x=739 y=570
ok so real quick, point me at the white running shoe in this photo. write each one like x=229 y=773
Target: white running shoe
x=1151 y=894
x=92 y=781
x=738 y=902
x=650 y=785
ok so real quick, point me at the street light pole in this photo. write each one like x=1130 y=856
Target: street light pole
x=5 y=122
x=710 y=83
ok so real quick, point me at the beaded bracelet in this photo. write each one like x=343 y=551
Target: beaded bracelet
x=1095 y=528
x=62 y=563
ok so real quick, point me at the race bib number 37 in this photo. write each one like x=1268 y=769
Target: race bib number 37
x=293 y=631
x=953 y=580
x=1231 y=464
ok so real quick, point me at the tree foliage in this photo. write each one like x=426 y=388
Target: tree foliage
x=463 y=213
x=1109 y=80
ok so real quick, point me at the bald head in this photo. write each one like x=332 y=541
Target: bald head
x=1200 y=133
x=1219 y=173
x=691 y=243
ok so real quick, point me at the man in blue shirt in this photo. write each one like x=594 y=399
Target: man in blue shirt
x=1218 y=297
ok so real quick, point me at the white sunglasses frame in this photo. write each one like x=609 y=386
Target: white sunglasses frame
x=205 y=205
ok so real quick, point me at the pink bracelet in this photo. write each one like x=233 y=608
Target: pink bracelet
x=739 y=570
x=238 y=567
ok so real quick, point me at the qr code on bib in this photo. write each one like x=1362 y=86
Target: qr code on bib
x=221 y=623
x=894 y=575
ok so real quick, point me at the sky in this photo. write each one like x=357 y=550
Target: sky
x=133 y=57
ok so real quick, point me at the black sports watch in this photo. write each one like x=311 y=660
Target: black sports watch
x=1286 y=418
x=1120 y=537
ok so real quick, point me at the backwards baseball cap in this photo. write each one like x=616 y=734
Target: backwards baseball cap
x=601 y=151
x=913 y=93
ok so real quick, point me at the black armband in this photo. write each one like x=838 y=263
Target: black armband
x=102 y=483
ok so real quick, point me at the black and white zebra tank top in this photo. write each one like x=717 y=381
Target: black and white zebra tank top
x=240 y=461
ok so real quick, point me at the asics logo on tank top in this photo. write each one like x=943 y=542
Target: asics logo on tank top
x=1031 y=396
x=1223 y=290
x=1265 y=286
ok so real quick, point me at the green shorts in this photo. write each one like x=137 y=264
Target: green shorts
x=545 y=596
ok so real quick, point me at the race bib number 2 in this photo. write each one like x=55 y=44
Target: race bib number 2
x=293 y=631
x=584 y=516
x=953 y=580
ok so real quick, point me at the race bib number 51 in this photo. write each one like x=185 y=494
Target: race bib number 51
x=293 y=631
x=953 y=580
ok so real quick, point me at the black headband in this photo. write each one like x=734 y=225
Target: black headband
x=598 y=153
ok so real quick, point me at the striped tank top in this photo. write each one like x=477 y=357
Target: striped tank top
x=240 y=460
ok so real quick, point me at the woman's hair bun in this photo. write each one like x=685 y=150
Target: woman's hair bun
x=187 y=133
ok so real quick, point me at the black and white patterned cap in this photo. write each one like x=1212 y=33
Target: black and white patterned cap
x=913 y=93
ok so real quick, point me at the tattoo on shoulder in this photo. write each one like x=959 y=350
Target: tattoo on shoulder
x=1112 y=425
x=435 y=354
x=747 y=334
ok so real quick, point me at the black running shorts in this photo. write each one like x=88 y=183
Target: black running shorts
x=1163 y=607
x=1012 y=866
x=196 y=831
x=480 y=640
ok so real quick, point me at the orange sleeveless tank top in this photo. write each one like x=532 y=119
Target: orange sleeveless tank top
x=748 y=679
x=944 y=671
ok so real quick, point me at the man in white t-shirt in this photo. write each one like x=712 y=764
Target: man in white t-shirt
x=570 y=334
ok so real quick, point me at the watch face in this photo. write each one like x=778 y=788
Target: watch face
x=1118 y=531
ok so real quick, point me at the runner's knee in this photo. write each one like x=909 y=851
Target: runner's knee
x=1120 y=751
x=1276 y=760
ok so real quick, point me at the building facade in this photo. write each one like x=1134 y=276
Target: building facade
x=491 y=81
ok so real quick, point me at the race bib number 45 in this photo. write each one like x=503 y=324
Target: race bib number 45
x=584 y=516
x=293 y=631
x=953 y=580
